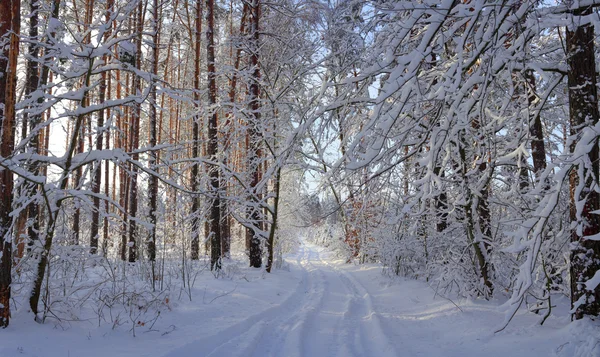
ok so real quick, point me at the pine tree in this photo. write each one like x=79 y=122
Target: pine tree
x=10 y=22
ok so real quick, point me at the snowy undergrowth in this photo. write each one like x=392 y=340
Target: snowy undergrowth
x=401 y=271
x=107 y=302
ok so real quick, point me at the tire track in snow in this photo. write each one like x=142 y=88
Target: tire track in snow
x=282 y=335
x=243 y=333
x=329 y=312
x=372 y=337
x=322 y=334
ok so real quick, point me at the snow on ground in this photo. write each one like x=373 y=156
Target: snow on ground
x=320 y=307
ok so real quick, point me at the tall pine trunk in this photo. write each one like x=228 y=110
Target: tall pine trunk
x=9 y=35
x=213 y=141
x=584 y=114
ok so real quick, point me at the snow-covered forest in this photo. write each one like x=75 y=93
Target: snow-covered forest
x=166 y=164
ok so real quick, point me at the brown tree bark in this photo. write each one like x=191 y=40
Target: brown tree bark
x=9 y=34
x=583 y=113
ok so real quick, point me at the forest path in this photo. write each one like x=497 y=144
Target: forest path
x=319 y=307
x=330 y=313
x=346 y=310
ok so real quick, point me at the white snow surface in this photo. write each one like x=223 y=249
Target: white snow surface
x=320 y=307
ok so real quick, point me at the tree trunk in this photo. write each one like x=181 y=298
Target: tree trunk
x=9 y=32
x=584 y=114
x=195 y=179
x=63 y=182
x=225 y=216
x=479 y=248
x=441 y=204
x=538 y=150
x=135 y=138
x=76 y=183
x=81 y=146
x=153 y=184
x=213 y=142
x=271 y=242
x=124 y=179
x=97 y=172
x=30 y=122
x=109 y=8
x=254 y=234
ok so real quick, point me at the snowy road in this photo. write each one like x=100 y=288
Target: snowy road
x=344 y=310
x=329 y=314
x=321 y=307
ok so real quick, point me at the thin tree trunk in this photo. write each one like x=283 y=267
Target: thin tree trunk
x=213 y=141
x=97 y=172
x=271 y=242
x=32 y=80
x=478 y=246
x=76 y=183
x=196 y=137
x=135 y=137
x=441 y=204
x=89 y=5
x=538 y=150
x=254 y=234
x=105 y=236
x=123 y=178
x=153 y=184
x=53 y=215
